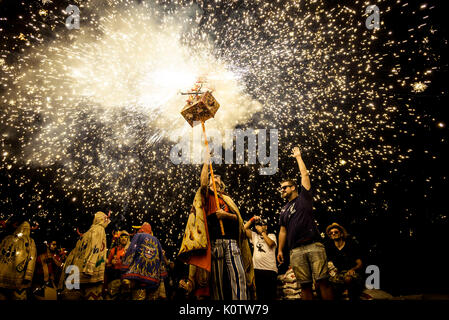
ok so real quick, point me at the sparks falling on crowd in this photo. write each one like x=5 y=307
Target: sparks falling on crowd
x=89 y=115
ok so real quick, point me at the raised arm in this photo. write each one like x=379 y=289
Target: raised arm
x=305 y=180
x=248 y=225
x=265 y=236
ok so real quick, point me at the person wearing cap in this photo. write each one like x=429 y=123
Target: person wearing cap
x=143 y=266
x=264 y=258
x=345 y=256
x=299 y=234
x=226 y=258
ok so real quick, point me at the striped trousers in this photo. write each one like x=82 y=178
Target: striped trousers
x=226 y=254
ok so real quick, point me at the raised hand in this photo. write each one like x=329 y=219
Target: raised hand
x=296 y=152
x=207 y=156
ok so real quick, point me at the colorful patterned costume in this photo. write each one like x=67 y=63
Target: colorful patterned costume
x=196 y=246
x=17 y=262
x=144 y=265
x=89 y=256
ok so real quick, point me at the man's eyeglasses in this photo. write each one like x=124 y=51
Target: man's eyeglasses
x=284 y=187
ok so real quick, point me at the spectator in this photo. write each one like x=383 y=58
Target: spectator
x=114 y=265
x=17 y=262
x=227 y=257
x=264 y=258
x=48 y=268
x=300 y=233
x=89 y=256
x=143 y=266
x=345 y=256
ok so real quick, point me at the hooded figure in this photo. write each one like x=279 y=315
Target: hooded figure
x=196 y=246
x=144 y=264
x=89 y=255
x=17 y=261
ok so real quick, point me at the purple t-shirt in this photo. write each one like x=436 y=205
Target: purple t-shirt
x=297 y=218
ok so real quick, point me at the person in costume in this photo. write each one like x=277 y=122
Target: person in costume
x=225 y=259
x=48 y=268
x=17 y=262
x=89 y=256
x=143 y=266
x=114 y=265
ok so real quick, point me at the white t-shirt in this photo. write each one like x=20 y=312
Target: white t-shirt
x=264 y=257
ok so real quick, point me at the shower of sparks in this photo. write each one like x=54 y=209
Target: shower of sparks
x=95 y=109
x=419 y=87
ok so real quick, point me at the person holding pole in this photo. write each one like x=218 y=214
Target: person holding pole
x=231 y=268
x=214 y=240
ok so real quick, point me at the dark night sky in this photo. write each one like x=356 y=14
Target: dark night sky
x=402 y=226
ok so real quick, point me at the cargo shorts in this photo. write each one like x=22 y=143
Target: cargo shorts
x=309 y=262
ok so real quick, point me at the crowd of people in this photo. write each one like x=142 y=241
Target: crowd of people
x=214 y=262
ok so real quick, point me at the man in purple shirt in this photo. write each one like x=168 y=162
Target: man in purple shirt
x=300 y=234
